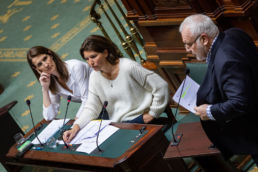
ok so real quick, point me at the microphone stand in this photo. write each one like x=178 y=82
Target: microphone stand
x=62 y=129
x=177 y=137
x=68 y=102
x=103 y=110
x=28 y=103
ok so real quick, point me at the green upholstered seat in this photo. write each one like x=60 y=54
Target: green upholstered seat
x=197 y=71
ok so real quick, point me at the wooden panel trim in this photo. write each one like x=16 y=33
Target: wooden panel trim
x=172 y=50
x=171 y=63
x=237 y=10
x=161 y=22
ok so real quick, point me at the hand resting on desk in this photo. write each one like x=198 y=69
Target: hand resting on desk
x=147 y=118
x=69 y=134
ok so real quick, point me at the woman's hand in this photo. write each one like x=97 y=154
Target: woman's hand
x=44 y=80
x=147 y=118
x=69 y=134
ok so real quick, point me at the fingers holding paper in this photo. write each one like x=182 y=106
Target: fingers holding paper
x=201 y=112
x=70 y=134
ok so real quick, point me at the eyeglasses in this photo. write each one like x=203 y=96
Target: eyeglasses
x=189 y=45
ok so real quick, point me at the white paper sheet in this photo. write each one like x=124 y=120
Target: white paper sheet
x=50 y=130
x=189 y=94
x=89 y=145
x=89 y=131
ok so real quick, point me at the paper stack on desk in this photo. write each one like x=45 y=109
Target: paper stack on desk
x=50 y=130
x=87 y=136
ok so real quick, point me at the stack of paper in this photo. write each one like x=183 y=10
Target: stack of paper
x=50 y=130
x=87 y=136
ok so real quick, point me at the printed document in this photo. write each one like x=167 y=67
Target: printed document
x=89 y=131
x=88 y=145
x=189 y=94
x=50 y=130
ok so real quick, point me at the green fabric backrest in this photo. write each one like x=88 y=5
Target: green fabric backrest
x=197 y=71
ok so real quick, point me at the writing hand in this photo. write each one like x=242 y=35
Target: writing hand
x=70 y=134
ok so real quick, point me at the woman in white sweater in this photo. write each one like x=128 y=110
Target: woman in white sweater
x=59 y=79
x=134 y=94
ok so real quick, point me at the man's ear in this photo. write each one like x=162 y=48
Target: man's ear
x=204 y=39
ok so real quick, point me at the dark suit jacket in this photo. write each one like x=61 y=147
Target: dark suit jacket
x=231 y=86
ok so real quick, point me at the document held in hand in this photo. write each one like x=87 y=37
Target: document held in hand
x=188 y=97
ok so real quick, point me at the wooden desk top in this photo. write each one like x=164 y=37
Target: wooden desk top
x=194 y=142
x=62 y=160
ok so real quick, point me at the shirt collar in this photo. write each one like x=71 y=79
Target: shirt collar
x=209 y=52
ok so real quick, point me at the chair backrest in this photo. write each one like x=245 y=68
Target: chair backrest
x=197 y=71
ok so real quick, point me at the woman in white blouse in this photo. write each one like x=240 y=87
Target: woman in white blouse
x=58 y=78
x=134 y=94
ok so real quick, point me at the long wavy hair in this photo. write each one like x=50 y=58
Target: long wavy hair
x=60 y=65
x=98 y=44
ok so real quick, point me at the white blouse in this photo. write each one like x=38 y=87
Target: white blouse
x=78 y=82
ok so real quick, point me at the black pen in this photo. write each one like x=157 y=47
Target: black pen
x=142 y=129
x=66 y=145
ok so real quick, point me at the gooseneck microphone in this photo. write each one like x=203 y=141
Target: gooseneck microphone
x=62 y=129
x=28 y=103
x=68 y=102
x=176 y=138
x=102 y=112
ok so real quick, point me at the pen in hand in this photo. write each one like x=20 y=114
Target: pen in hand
x=66 y=145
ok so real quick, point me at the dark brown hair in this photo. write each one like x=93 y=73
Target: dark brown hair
x=98 y=44
x=60 y=65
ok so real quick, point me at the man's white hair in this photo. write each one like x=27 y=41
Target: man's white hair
x=199 y=23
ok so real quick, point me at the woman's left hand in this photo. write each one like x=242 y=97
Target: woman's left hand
x=147 y=118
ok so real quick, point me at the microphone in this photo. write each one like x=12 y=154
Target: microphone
x=102 y=112
x=28 y=103
x=62 y=129
x=68 y=102
x=176 y=138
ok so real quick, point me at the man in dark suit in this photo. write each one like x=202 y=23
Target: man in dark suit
x=227 y=100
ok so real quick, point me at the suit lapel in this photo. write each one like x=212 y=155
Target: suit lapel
x=207 y=84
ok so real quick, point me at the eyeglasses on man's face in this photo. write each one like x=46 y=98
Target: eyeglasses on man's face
x=189 y=45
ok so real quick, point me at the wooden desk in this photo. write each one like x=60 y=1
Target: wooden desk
x=145 y=155
x=193 y=143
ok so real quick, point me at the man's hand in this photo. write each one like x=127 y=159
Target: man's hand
x=201 y=111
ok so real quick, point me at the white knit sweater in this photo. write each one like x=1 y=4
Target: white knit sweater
x=134 y=91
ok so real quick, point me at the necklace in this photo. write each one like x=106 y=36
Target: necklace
x=111 y=83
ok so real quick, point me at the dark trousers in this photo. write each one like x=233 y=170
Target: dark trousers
x=138 y=120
